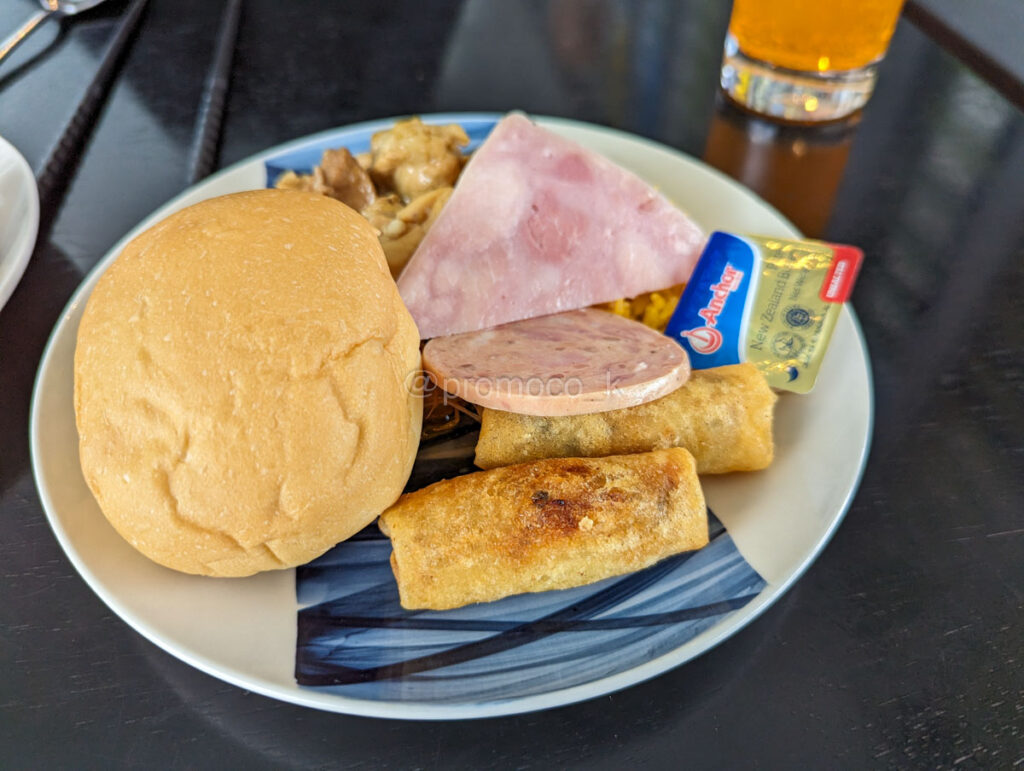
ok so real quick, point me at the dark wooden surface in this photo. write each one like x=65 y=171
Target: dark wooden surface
x=901 y=646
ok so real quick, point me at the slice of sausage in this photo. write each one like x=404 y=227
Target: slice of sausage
x=571 y=363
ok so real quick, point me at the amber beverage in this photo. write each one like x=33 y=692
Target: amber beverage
x=806 y=60
x=796 y=168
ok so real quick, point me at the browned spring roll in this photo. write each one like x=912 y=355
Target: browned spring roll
x=722 y=415
x=546 y=525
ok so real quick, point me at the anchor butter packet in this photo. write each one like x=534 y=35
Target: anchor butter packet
x=770 y=301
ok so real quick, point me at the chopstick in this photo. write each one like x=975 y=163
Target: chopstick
x=60 y=163
x=211 y=110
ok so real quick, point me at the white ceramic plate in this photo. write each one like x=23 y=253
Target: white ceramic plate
x=19 y=217
x=244 y=630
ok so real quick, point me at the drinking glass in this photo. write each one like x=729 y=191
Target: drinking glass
x=806 y=60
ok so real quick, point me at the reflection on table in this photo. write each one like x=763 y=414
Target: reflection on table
x=796 y=168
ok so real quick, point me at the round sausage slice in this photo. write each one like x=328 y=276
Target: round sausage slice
x=571 y=363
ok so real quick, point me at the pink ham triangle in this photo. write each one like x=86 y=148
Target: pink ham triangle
x=538 y=225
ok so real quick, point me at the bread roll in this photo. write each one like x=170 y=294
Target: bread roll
x=242 y=384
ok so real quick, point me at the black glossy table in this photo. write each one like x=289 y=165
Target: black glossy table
x=901 y=646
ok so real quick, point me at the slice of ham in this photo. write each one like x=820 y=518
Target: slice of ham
x=572 y=363
x=537 y=225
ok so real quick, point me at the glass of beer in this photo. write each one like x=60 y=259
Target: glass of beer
x=806 y=60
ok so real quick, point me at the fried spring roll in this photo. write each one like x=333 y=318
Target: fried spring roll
x=722 y=415
x=551 y=524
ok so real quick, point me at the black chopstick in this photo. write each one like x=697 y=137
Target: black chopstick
x=211 y=109
x=59 y=166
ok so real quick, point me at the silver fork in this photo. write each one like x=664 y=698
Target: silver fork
x=55 y=8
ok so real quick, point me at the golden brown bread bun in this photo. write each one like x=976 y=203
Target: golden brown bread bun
x=241 y=384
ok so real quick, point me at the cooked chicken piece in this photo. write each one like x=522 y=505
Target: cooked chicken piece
x=339 y=176
x=415 y=163
x=402 y=226
x=346 y=179
x=292 y=181
x=414 y=157
x=383 y=211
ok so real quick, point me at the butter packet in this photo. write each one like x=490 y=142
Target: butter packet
x=770 y=301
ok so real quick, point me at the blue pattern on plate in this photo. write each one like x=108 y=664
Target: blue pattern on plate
x=354 y=638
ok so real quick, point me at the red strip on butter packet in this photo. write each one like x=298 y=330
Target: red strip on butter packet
x=770 y=301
